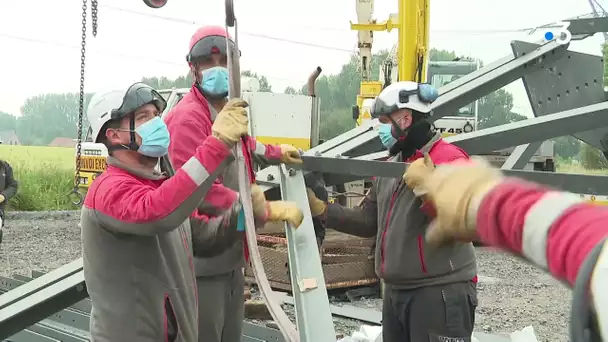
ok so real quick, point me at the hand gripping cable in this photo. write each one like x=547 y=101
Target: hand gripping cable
x=287 y=328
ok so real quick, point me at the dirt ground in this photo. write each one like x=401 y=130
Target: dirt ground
x=512 y=294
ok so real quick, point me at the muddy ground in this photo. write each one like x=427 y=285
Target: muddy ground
x=512 y=294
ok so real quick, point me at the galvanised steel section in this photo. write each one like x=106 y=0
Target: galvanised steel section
x=577 y=183
x=485 y=80
x=313 y=315
x=582 y=28
x=576 y=81
x=534 y=129
x=62 y=327
x=520 y=156
x=31 y=309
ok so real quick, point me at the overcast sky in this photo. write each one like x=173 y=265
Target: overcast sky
x=283 y=40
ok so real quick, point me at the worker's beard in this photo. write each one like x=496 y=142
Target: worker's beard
x=415 y=138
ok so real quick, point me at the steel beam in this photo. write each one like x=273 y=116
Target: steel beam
x=582 y=28
x=313 y=316
x=20 y=314
x=488 y=79
x=576 y=183
x=534 y=129
x=520 y=156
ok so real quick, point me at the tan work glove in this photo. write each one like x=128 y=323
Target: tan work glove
x=258 y=201
x=317 y=207
x=455 y=190
x=2 y=198
x=290 y=155
x=274 y=211
x=232 y=122
x=416 y=173
x=285 y=211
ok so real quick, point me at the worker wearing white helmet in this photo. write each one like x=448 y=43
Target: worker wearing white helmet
x=556 y=231
x=139 y=227
x=430 y=293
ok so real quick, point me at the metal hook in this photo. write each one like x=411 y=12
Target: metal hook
x=76 y=197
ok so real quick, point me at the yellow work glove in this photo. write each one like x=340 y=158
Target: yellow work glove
x=416 y=173
x=284 y=211
x=232 y=122
x=2 y=198
x=456 y=190
x=317 y=207
x=290 y=155
x=258 y=201
x=274 y=211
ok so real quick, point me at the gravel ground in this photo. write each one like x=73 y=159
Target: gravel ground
x=512 y=294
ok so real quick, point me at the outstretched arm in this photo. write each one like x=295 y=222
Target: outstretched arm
x=133 y=207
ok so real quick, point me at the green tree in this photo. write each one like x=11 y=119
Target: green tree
x=264 y=84
x=48 y=116
x=8 y=122
x=167 y=83
x=567 y=147
x=290 y=90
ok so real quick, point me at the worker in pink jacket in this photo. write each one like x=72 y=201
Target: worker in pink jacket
x=139 y=226
x=421 y=283
x=556 y=231
x=220 y=278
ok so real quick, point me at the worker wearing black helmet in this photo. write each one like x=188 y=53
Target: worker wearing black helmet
x=430 y=293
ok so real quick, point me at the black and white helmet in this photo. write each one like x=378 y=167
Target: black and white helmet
x=404 y=95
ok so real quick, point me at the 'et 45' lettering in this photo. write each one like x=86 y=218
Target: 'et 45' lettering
x=451 y=130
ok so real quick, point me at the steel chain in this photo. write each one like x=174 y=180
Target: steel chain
x=81 y=94
x=94 y=17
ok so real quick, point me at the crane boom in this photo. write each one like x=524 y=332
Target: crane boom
x=412 y=23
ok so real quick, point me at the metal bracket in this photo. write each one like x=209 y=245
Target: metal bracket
x=313 y=315
x=520 y=156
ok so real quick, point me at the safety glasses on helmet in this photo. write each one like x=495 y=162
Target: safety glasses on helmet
x=426 y=93
x=204 y=48
x=139 y=94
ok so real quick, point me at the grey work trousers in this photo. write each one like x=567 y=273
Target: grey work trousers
x=221 y=307
x=434 y=313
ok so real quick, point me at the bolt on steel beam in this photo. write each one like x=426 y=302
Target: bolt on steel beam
x=313 y=314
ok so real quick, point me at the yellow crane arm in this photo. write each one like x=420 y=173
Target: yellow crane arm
x=412 y=22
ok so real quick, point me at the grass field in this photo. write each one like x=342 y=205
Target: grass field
x=45 y=176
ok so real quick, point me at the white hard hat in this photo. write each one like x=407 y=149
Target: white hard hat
x=410 y=95
x=115 y=104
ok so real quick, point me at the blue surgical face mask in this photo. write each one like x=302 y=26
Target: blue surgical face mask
x=215 y=81
x=154 y=138
x=386 y=136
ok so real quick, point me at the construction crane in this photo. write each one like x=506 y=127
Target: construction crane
x=598 y=11
x=412 y=22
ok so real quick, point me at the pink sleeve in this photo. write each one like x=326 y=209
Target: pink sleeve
x=271 y=152
x=185 y=136
x=554 y=230
x=126 y=204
